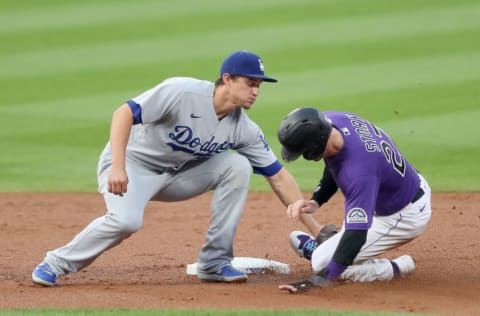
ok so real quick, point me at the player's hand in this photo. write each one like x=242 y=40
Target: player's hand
x=117 y=181
x=296 y=287
x=301 y=206
x=316 y=280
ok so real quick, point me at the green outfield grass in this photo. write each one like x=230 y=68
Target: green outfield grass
x=412 y=67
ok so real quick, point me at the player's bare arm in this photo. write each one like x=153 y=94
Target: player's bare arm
x=287 y=190
x=300 y=207
x=119 y=133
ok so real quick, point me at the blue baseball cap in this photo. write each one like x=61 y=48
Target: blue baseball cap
x=244 y=63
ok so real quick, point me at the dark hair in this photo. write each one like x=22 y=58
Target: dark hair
x=219 y=80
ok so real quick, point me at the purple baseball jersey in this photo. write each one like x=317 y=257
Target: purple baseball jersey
x=371 y=172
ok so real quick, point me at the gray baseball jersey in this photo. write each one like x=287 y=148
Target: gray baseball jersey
x=175 y=130
x=179 y=124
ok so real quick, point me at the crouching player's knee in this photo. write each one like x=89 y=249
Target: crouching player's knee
x=124 y=226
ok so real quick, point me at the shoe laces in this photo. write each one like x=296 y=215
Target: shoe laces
x=47 y=269
x=310 y=246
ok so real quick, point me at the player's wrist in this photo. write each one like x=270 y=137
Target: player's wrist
x=314 y=203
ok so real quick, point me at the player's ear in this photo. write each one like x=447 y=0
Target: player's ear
x=226 y=77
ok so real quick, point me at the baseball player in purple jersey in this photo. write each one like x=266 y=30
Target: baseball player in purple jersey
x=387 y=202
x=173 y=142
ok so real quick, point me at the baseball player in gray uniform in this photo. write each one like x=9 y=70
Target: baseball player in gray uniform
x=173 y=142
x=387 y=202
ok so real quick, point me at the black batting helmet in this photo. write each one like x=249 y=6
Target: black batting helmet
x=304 y=131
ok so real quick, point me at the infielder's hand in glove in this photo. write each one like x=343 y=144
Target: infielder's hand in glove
x=317 y=280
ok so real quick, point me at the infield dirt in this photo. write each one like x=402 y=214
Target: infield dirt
x=148 y=270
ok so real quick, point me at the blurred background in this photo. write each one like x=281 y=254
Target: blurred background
x=412 y=67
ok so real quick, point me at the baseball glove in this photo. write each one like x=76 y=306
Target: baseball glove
x=316 y=280
x=326 y=232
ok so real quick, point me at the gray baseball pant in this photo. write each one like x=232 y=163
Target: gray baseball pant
x=227 y=173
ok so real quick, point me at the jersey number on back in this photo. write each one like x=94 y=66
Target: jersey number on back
x=393 y=156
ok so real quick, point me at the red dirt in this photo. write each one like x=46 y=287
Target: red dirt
x=148 y=270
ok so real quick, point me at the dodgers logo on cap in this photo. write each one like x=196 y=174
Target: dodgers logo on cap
x=261 y=64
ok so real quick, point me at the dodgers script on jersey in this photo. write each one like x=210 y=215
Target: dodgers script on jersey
x=372 y=173
x=175 y=122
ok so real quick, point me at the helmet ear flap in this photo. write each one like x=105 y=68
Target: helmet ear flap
x=304 y=131
x=314 y=152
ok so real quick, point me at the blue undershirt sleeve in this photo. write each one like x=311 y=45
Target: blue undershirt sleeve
x=136 y=111
x=269 y=170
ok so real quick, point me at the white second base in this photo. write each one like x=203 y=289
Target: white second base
x=250 y=265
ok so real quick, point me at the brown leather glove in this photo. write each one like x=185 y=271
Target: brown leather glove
x=326 y=232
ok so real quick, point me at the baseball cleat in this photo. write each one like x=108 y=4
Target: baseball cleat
x=303 y=244
x=402 y=266
x=226 y=274
x=44 y=275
